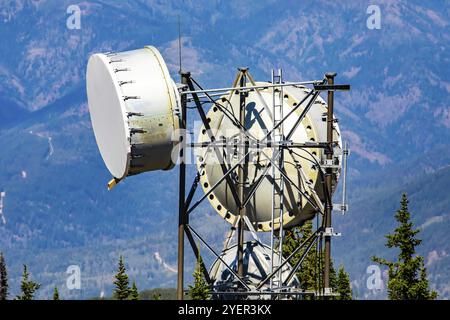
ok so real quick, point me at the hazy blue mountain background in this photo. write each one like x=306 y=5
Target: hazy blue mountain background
x=57 y=209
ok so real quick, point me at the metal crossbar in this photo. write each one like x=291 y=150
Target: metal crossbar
x=247 y=88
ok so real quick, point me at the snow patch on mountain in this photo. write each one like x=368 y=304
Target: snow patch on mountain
x=160 y=260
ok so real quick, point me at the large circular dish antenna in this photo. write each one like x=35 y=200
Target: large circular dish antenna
x=257 y=264
x=134 y=109
x=301 y=165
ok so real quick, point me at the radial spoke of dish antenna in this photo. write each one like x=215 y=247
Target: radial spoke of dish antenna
x=238 y=123
x=197 y=177
x=303 y=114
x=274 y=272
x=216 y=150
x=300 y=261
x=230 y=233
x=287 y=116
x=320 y=169
x=311 y=189
x=308 y=106
x=207 y=145
x=218 y=257
x=232 y=118
x=262 y=176
x=251 y=229
x=237 y=79
x=239 y=75
x=288 y=137
x=197 y=254
x=285 y=176
x=255 y=234
x=195 y=205
x=261 y=99
x=255 y=187
x=194 y=186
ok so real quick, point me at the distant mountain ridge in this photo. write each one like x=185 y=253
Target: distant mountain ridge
x=396 y=118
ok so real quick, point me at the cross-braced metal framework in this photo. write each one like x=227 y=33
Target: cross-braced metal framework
x=279 y=141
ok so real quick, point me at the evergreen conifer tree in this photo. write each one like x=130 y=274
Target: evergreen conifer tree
x=55 y=294
x=3 y=278
x=310 y=272
x=27 y=287
x=407 y=275
x=343 y=288
x=307 y=273
x=122 y=290
x=200 y=289
x=156 y=296
x=134 y=293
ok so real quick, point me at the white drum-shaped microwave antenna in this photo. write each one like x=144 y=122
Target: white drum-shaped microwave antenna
x=134 y=109
x=257 y=264
x=301 y=164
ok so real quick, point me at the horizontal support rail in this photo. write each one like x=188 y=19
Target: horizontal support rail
x=256 y=145
x=331 y=87
x=262 y=86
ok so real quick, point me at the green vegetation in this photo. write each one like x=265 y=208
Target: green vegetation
x=27 y=287
x=309 y=274
x=122 y=290
x=152 y=294
x=3 y=278
x=134 y=293
x=343 y=285
x=407 y=276
x=55 y=294
x=200 y=289
x=159 y=294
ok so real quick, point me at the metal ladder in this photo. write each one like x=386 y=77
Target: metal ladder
x=276 y=242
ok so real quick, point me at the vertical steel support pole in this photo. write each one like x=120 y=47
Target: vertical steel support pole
x=328 y=181
x=242 y=177
x=182 y=216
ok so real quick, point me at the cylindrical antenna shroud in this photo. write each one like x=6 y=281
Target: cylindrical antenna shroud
x=134 y=109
